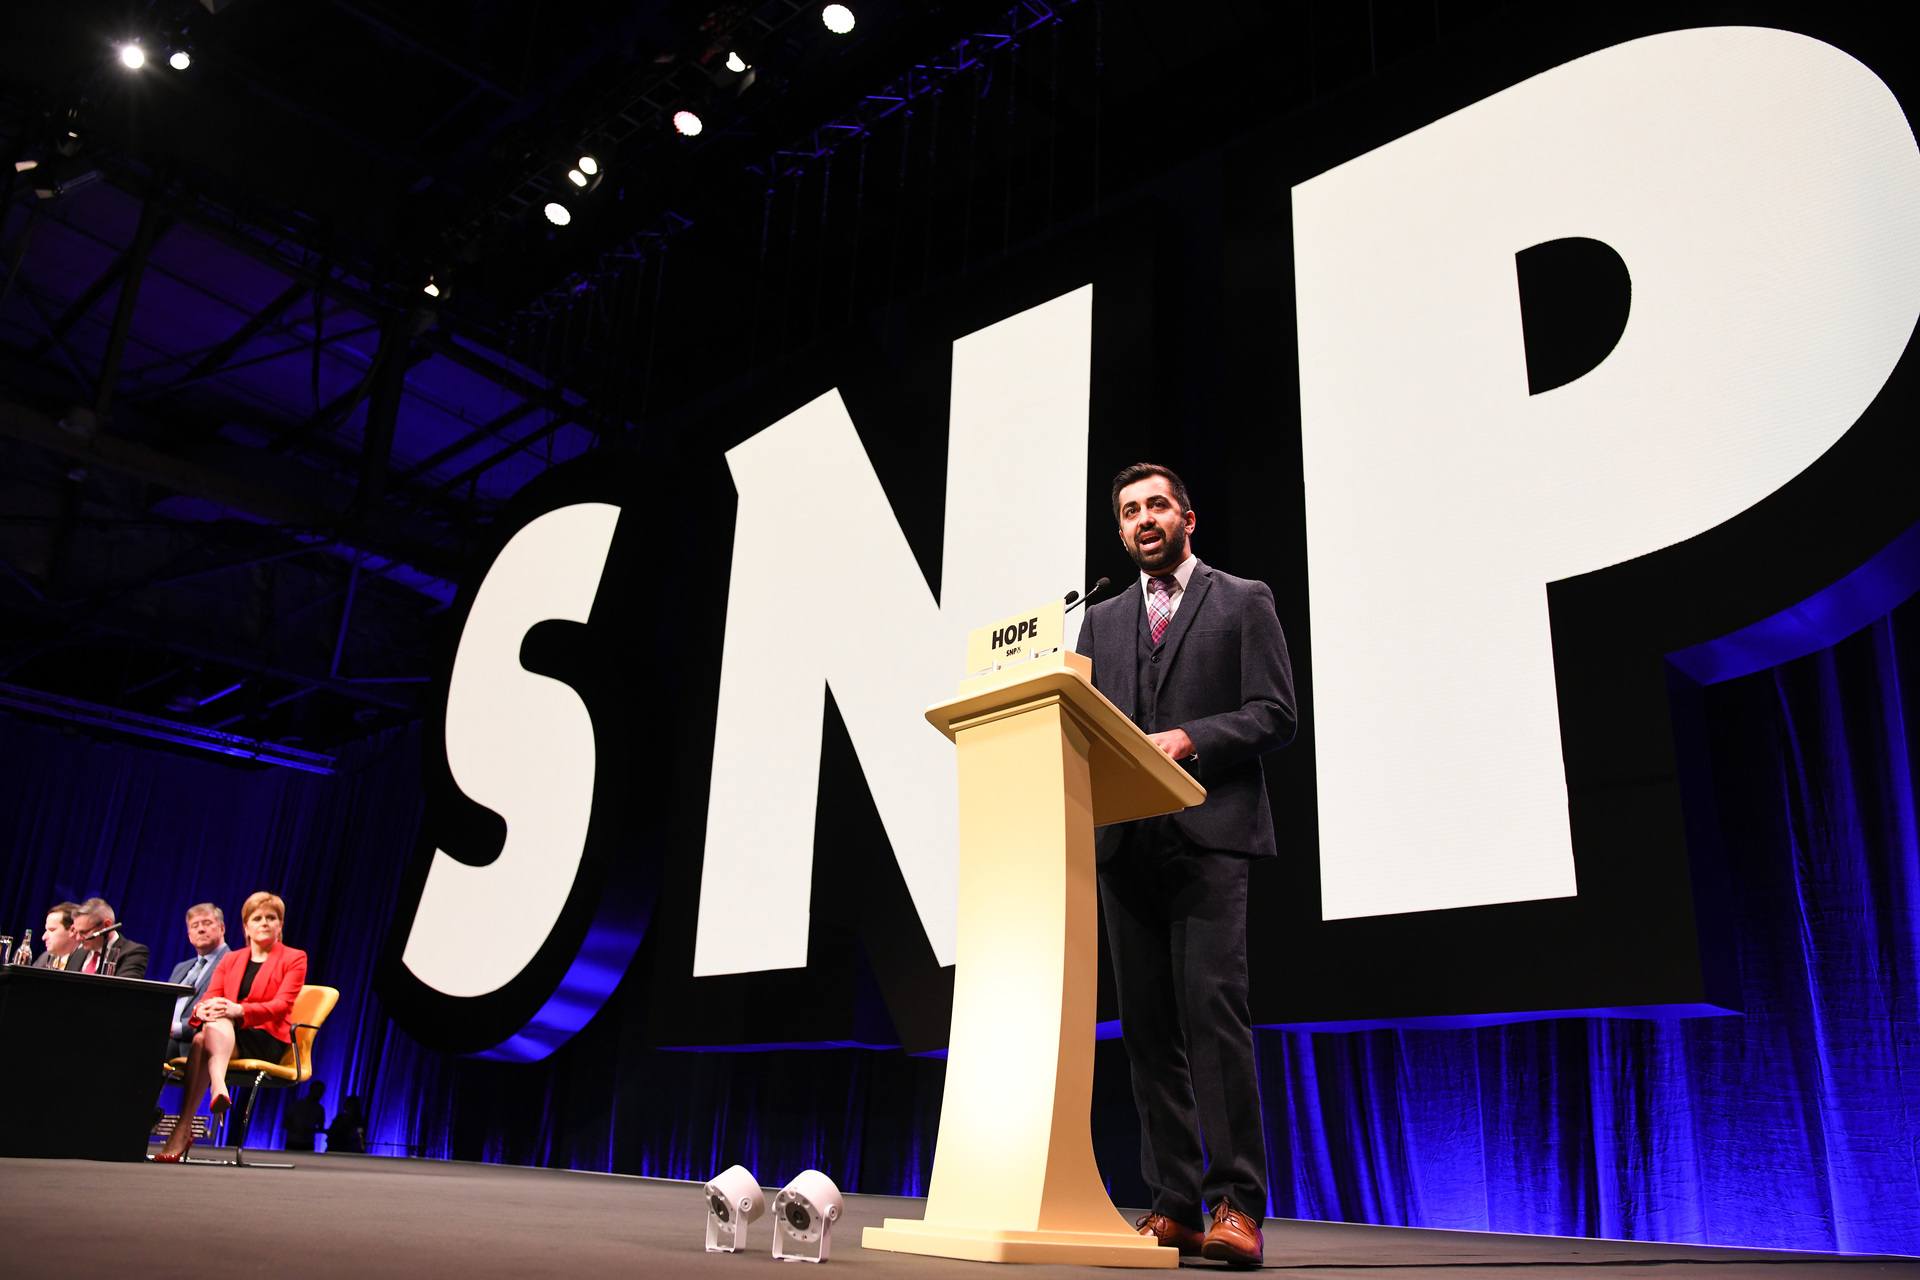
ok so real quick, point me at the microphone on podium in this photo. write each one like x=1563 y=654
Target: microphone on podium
x=1074 y=598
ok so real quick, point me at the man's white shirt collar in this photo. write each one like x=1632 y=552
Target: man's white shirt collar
x=1181 y=577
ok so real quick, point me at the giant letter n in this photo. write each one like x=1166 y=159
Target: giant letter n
x=817 y=545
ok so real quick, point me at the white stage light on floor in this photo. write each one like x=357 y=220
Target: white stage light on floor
x=803 y=1216
x=180 y=60
x=736 y=63
x=734 y=1200
x=558 y=214
x=838 y=17
x=132 y=56
x=576 y=177
x=687 y=124
x=588 y=165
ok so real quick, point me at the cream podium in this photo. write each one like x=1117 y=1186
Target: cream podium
x=1043 y=758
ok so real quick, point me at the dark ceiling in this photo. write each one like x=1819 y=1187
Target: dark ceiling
x=244 y=458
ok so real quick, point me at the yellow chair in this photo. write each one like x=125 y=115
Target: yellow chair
x=310 y=1010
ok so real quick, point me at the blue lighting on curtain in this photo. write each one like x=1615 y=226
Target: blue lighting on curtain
x=1788 y=1127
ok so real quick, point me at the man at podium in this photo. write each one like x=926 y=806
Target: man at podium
x=1197 y=659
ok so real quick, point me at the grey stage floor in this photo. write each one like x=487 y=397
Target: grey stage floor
x=369 y=1217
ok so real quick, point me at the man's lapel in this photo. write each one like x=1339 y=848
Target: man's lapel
x=1122 y=651
x=1190 y=601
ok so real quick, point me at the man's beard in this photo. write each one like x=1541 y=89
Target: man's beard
x=1168 y=553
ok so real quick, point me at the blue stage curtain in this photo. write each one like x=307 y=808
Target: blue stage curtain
x=1790 y=1126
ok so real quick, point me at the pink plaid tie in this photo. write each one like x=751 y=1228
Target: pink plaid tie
x=1159 y=606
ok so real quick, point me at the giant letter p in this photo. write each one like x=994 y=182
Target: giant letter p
x=1762 y=189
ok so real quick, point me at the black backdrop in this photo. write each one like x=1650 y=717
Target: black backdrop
x=1193 y=365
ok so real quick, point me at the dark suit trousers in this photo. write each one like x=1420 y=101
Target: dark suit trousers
x=1177 y=928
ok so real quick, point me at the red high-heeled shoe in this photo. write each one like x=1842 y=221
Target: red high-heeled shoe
x=172 y=1157
x=220 y=1103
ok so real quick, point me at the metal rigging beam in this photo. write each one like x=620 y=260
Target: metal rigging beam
x=485 y=432
x=389 y=377
x=229 y=346
x=493 y=460
x=151 y=218
x=284 y=506
x=337 y=410
x=90 y=296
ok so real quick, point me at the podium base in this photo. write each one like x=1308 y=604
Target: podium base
x=989 y=1244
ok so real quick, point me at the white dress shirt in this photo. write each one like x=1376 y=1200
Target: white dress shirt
x=1181 y=576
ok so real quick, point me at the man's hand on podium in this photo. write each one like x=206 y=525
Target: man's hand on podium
x=1174 y=742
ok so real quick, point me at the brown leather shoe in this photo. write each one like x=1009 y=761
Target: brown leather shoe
x=1234 y=1238
x=1174 y=1235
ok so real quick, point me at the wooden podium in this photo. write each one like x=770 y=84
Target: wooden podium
x=1043 y=758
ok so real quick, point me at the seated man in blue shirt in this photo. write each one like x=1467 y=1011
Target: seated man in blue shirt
x=207 y=931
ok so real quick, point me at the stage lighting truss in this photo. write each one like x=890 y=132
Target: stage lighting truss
x=923 y=81
x=642 y=106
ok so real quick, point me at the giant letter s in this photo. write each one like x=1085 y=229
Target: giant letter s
x=522 y=744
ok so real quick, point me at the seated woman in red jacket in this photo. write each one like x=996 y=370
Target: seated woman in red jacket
x=246 y=1012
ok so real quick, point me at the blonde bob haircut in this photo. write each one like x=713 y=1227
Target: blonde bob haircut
x=263 y=899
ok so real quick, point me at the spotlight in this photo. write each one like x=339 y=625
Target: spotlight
x=687 y=124
x=180 y=60
x=558 y=214
x=736 y=63
x=132 y=56
x=588 y=165
x=25 y=166
x=576 y=177
x=734 y=1201
x=803 y=1216
x=431 y=288
x=838 y=17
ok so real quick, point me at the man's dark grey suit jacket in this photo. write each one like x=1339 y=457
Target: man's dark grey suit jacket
x=1223 y=675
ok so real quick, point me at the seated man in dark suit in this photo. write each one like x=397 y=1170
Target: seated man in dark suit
x=60 y=939
x=101 y=943
x=207 y=931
